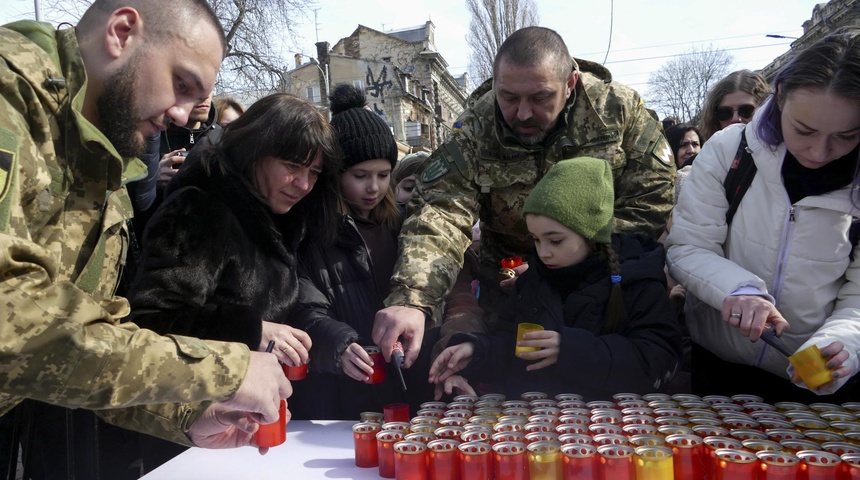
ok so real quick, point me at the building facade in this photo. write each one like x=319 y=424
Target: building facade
x=405 y=79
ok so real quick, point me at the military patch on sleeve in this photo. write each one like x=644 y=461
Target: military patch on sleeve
x=663 y=151
x=7 y=166
x=436 y=169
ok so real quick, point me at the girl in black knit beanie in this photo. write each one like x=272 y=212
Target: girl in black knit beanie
x=344 y=284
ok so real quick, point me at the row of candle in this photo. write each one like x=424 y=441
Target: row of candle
x=541 y=438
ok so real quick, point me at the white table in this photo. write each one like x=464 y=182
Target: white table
x=314 y=449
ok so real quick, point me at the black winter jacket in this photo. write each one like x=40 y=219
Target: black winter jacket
x=338 y=301
x=216 y=261
x=640 y=356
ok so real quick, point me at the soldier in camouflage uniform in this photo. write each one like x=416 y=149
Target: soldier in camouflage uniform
x=75 y=105
x=542 y=108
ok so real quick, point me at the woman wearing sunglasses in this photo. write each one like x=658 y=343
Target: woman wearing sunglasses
x=784 y=260
x=733 y=100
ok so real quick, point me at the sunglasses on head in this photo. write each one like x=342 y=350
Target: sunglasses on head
x=744 y=111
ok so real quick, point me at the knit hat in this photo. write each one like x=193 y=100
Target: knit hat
x=579 y=194
x=362 y=134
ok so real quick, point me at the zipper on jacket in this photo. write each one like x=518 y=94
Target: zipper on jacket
x=779 y=272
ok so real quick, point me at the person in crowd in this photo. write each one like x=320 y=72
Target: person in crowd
x=670 y=121
x=685 y=141
x=227 y=109
x=600 y=298
x=63 y=207
x=541 y=107
x=344 y=284
x=220 y=256
x=734 y=99
x=404 y=176
x=784 y=261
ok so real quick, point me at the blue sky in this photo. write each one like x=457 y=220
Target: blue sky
x=644 y=32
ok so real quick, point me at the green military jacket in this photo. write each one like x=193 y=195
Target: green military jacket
x=63 y=240
x=485 y=172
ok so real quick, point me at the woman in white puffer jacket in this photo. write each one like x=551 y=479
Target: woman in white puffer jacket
x=785 y=260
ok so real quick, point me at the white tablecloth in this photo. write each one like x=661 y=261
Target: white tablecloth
x=313 y=450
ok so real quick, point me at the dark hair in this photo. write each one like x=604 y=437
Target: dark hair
x=223 y=103
x=675 y=135
x=532 y=46
x=616 y=314
x=739 y=81
x=289 y=128
x=163 y=18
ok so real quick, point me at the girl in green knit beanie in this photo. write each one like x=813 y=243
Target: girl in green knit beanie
x=608 y=325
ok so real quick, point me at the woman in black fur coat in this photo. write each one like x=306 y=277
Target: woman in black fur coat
x=220 y=254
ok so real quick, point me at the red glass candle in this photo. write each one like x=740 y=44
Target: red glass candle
x=712 y=444
x=511 y=461
x=295 y=373
x=735 y=464
x=616 y=462
x=476 y=460
x=819 y=465
x=396 y=412
x=777 y=466
x=378 y=375
x=410 y=461
x=687 y=456
x=385 y=441
x=850 y=466
x=273 y=434
x=366 y=454
x=512 y=262
x=580 y=462
x=443 y=462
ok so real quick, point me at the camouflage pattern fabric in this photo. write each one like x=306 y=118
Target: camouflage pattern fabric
x=63 y=240
x=485 y=172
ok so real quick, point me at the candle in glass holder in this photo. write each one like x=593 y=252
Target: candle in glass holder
x=443 y=462
x=654 y=463
x=511 y=461
x=410 y=461
x=396 y=412
x=580 y=462
x=371 y=417
x=545 y=460
x=476 y=460
x=385 y=441
x=378 y=375
x=616 y=462
x=366 y=454
x=851 y=466
x=295 y=374
x=712 y=444
x=775 y=465
x=819 y=465
x=735 y=464
x=273 y=434
x=522 y=329
x=687 y=456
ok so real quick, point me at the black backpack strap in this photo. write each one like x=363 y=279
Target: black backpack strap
x=854 y=236
x=739 y=178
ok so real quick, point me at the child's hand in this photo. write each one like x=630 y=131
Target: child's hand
x=454 y=381
x=356 y=363
x=508 y=285
x=450 y=361
x=549 y=342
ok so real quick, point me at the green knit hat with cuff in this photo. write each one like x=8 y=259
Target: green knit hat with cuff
x=579 y=194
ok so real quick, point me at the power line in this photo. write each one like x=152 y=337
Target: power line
x=611 y=24
x=688 y=42
x=694 y=53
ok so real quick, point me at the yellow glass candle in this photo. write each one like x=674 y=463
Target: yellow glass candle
x=654 y=463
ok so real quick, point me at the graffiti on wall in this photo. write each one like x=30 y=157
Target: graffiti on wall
x=376 y=85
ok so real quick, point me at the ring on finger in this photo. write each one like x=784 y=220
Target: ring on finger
x=735 y=315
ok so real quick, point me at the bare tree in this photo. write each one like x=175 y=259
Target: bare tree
x=679 y=87
x=492 y=22
x=255 y=30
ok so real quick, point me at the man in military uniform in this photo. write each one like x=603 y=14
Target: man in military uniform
x=541 y=107
x=75 y=107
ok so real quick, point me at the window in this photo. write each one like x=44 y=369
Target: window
x=313 y=95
